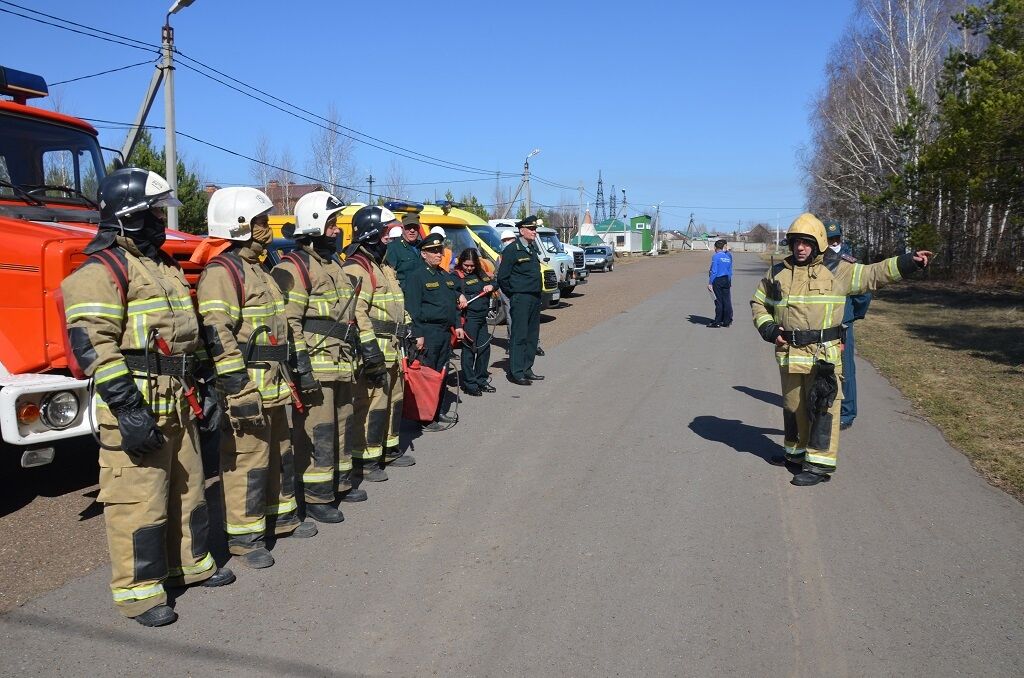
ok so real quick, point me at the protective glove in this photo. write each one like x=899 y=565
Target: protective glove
x=376 y=375
x=213 y=414
x=824 y=390
x=139 y=432
x=371 y=353
x=245 y=408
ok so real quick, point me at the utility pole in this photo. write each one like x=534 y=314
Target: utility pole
x=526 y=179
x=579 y=216
x=369 y=194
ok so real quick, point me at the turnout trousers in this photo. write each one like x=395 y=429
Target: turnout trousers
x=257 y=472
x=322 y=441
x=815 y=445
x=377 y=415
x=476 y=356
x=156 y=516
x=524 y=314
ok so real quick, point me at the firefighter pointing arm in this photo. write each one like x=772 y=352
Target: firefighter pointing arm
x=798 y=306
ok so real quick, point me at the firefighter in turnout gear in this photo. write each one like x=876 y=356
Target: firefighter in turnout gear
x=247 y=335
x=320 y=306
x=519 y=277
x=132 y=328
x=798 y=306
x=383 y=325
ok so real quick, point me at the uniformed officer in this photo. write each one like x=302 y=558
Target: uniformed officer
x=383 y=324
x=797 y=307
x=245 y=326
x=431 y=299
x=403 y=254
x=320 y=306
x=856 y=309
x=132 y=328
x=476 y=288
x=519 y=277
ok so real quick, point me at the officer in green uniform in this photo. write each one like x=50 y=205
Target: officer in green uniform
x=404 y=253
x=519 y=277
x=431 y=299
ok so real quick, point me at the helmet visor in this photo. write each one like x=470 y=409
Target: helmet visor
x=166 y=200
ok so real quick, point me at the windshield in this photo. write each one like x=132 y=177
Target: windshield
x=596 y=250
x=489 y=234
x=39 y=156
x=551 y=242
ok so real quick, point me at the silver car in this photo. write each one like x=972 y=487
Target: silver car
x=599 y=256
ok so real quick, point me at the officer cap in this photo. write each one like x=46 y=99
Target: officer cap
x=528 y=222
x=410 y=220
x=833 y=229
x=434 y=241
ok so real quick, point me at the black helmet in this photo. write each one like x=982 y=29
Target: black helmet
x=369 y=222
x=127 y=194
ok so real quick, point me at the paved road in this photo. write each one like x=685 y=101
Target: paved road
x=617 y=519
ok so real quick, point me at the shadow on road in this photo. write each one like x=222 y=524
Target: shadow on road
x=75 y=467
x=999 y=344
x=546 y=318
x=763 y=396
x=739 y=436
x=118 y=641
x=699 y=319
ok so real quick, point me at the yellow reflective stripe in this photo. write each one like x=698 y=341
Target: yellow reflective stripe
x=92 y=310
x=816 y=299
x=211 y=305
x=763 y=318
x=391 y=441
x=229 y=365
x=366 y=335
x=111 y=371
x=282 y=508
x=203 y=565
x=894 y=270
x=299 y=344
x=246 y=528
x=137 y=592
x=858 y=273
x=345 y=465
x=759 y=295
x=825 y=459
x=370 y=452
x=318 y=476
x=296 y=296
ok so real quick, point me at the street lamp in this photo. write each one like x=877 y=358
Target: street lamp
x=526 y=177
x=657 y=224
x=170 y=146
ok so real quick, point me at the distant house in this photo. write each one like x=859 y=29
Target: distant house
x=759 y=233
x=625 y=238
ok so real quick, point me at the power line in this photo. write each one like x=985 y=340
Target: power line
x=94 y=75
x=147 y=48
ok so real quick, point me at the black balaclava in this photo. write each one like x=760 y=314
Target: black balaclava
x=325 y=246
x=151 y=236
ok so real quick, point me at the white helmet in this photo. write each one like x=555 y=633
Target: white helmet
x=508 y=234
x=438 y=229
x=231 y=211
x=395 y=232
x=312 y=212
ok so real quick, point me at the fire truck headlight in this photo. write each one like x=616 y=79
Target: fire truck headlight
x=59 y=410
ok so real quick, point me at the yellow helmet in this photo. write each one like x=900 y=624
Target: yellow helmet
x=808 y=226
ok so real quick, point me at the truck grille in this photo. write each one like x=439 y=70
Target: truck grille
x=550 y=279
x=578 y=260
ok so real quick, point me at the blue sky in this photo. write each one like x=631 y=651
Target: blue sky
x=699 y=105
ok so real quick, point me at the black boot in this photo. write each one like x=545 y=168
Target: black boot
x=161 y=615
x=324 y=513
x=304 y=530
x=533 y=377
x=369 y=470
x=393 y=456
x=347 y=491
x=257 y=559
x=808 y=478
x=222 y=577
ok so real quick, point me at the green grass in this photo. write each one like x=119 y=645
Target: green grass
x=958 y=353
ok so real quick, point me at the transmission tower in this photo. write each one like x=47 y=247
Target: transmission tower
x=613 y=205
x=691 y=229
x=599 y=205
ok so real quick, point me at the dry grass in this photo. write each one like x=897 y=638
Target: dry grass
x=958 y=353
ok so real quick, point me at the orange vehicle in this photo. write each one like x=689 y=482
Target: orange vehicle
x=50 y=167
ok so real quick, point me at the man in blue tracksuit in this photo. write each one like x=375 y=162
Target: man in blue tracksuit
x=720 y=283
x=856 y=309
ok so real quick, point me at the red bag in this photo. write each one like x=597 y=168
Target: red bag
x=423 y=386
